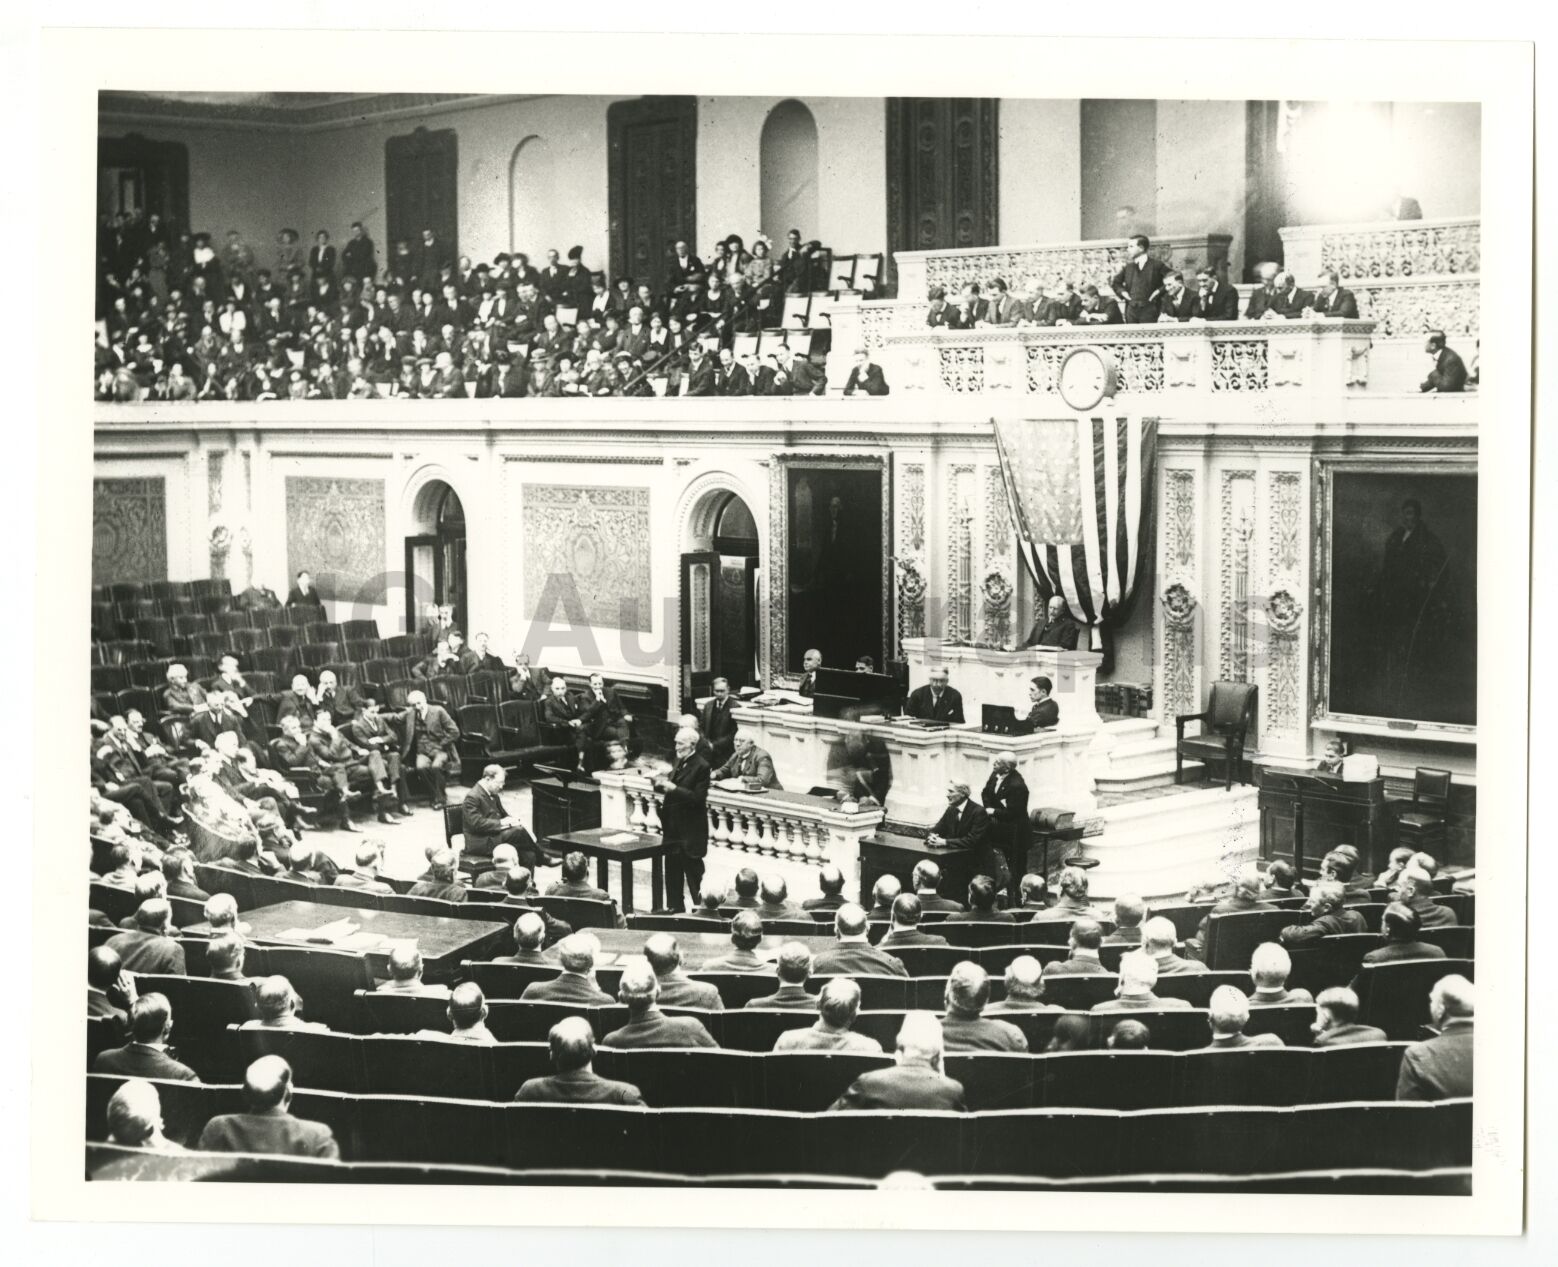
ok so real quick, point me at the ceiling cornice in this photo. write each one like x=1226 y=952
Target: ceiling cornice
x=341 y=112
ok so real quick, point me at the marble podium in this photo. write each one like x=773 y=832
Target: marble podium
x=988 y=675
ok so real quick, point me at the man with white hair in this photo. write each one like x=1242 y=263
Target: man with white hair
x=1228 y=1014
x=916 y=1080
x=428 y=739
x=647 y=1025
x=1269 y=968
x=684 y=820
x=576 y=983
x=529 y=939
x=442 y=882
x=267 y=1126
x=278 y=1005
x=575 y=1080
x=1440 y=1068
x=1158 y=938
x=182 y=698
x=1138 y=974
x=1415 y=888
x=148 y=885
x=135 y=1118
x=965 y=1027
x=748 y=761
x=369 y=858
x=1328 y=916
x=504 y=859
x=1248 y=885
x=1129 y=912
x=405 y=973
x=1336 y=1020
x=937 y=700
x=1055 y=627
x=837 y=1006
x=1024 y=988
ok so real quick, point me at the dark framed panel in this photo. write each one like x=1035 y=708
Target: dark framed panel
x=422 y=188
x=652 y=176
x=1395 y=632
x=161 y=170
x=943 y=179
x=830 y=560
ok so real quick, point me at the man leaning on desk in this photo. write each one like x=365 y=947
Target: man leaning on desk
x=936 y=701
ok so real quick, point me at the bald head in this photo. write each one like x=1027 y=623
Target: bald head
x=1453 y=998
x=103 y=967
x=267 y=1084
x=467 y=1005
x=885 y=890
x=663 y=953
x=1229 y=1010
x=154 y=915
x=529 y=931
x=1024 y=978
x=850 y=921
x=572 y=1043
x=774 y=890
x=405 y=963
x=926 y=877
x=275 y=998
x=505 y=858
x=134 y=1113
x=831 y=881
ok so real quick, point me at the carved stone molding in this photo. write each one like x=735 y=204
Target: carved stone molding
x=1240 y=366
x=962 y=369
x=1236 y=574
x=1407 y=248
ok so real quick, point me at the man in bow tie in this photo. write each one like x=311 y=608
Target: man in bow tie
x=718 y=723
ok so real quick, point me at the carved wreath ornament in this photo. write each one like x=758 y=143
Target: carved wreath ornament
x=1179 y=605
x=1284 y=612
x=911 y=584
x=997 y=591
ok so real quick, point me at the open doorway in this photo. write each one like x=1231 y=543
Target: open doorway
x=435 y=556
x=719 y=596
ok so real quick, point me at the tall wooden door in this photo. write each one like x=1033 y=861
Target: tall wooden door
x=652 y=165
x=719 y=621
x=421 y=188
x=942 y=177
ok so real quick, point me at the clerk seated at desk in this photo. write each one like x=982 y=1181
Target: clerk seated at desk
x=748 y=761
x=936 y=701
x=1041 y=712
x=966 y=825
x=1055 y=628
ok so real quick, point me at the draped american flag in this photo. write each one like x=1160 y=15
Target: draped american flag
x=1080 y=490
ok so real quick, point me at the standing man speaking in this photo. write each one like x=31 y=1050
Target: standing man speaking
x=684 y=818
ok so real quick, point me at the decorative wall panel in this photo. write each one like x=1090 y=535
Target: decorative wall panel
x=909 y=553
x=1179 y=593
x=595 y=540
x=129 y=530
x=335 y=529
x=1237 y=575
x=1284 y=604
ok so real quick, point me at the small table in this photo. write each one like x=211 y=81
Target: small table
x=888 y=853
x=598 y=843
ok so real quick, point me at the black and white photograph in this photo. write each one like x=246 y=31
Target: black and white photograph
x=913 y=646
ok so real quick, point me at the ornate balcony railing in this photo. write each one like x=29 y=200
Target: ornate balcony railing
x=1155 y=361
x=1385 y=250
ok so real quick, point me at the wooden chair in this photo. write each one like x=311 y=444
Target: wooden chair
x=1225 y=724
x=1420 y=822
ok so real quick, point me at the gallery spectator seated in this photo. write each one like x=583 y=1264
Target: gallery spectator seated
x=279 y=1005
x=1087 y=935
x=1269 y=968
x=677 y=989
x=1033 y=892
x=883 y=894
x=1138 y=974
x=150 y=945
x=1416 y=889
x=225 y=957
x=648 y=1026
x=467 y=1017
x=916 y=1080
x=830 y=880
x=1327 y=916
x=405 y=974
x=905 y=928
x=443 y=883
x=926 y=880
x=837 y=1006
x=266 y=1126
x=1440 y=1068
x=1400 y=929
x=110 y=989
x=852 y=952
x=743 y=890
x=1227 y=1015
x=965 y=1027
x=135 y=1118
x=1073 y=900
x=982 y=897
x=529 y=938
x=794 y=969
x=1024 y=988
x=1129 y=912
x=146 y=1055
x=574 y=1080
x=1159 y=937
x=576 y=983
x=774 y=900
x=1336 y=1020
x=746 y=934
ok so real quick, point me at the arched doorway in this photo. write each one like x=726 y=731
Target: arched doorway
x=787 y=165
x=435 y=555
x=719 y=634
x=532 y=183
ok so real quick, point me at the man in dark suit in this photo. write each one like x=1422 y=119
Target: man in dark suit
x=831 y=881
x=718 y=722
x=441 y=881
x=1140 y=283
x=852 y=952
x=357 y=256
x=969 y=311
x=905 y=929
x=267 y=1126
x=1086 y=936
x=377 y=732
x=965 y=825
x=488 y=822
x=1288 y=300
x=865 y=376
x=746 y=935
x=733 y=377
x=146 y=1054
x=916 y=1080
x=838 y=1005
x=1449 y=372
x=926 y=880
x=647 y=1025
x=576 y=983
x=575 y=1080
x=1217 y=300
x=1440 y=1068
x=748 y=761
x=1055 y=628
x=1138 y=974
x=1262 y=296
x=1043 y=712
x=684 y=818
x=604 y=717
x=1005 y=798
x=428 y=738
x=1329 y=916
x=810 y=663
x=1245 y=896
x=303 y=593
x=1002 y=308
x=149 y=946
x=965 y=1027
x=936 y=701
x=1336 y=1020
x=1177 y=302
x=321 y=260
x=1331 y=299
x=793 y=968
x=677 y=989
x=528 y=683
x=703 y=378
x=1400 y=927
x=981 y=904
x=110 y=989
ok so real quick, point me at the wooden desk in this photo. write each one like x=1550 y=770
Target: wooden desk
x=1304 y=815
x=443 y=941
x=887 y=853
x=593 y=844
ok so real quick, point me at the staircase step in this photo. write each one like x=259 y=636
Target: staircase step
x=1136 y=779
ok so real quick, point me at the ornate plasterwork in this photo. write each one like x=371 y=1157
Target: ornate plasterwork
x=960 y=561
x=962 y=369
x=1239 y=365
x=1178 y=598
x=129 y=530
x=1179 y=538
x=1284 y=604
x=1077 y=262
x=1236 y=574
x=1141 y=365
x=1451 y=305
x=1411 y=248
x=909 y=554
x=335 y=529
